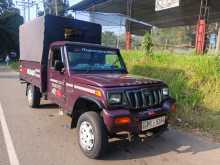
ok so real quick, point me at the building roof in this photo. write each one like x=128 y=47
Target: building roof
x=144 y=10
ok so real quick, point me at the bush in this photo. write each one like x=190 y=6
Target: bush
x=14 y=65
x=147 y=44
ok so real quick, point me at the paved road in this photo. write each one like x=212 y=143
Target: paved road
x=42 y=137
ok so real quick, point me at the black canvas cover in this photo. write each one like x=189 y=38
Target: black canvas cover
x=37 y=35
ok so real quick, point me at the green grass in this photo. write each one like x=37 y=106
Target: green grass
x=193 y=80
x=14 y=65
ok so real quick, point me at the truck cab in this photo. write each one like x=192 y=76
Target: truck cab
x=79 y=66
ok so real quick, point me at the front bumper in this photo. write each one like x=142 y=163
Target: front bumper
x=134 y=127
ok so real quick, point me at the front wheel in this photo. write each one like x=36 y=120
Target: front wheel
x=92 y=136
x=33 y=96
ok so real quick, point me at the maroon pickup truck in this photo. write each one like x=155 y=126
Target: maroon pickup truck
x=62 y=60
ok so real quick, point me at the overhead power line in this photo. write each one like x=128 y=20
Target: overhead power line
x=27 y=5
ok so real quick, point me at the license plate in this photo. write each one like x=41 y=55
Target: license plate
x=153 y=123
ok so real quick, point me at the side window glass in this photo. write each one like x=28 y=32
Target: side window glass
x=113 y=60
x=56 y=56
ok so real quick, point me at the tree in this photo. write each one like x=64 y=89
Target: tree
x=136 y=42
x=10 y=20
x=56 y=7
x=147 y=44
x=109 y=39
x=173 y=36
x=5 y=5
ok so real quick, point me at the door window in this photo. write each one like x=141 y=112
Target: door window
x=56 y=56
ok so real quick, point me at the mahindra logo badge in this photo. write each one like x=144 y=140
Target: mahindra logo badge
x=151 y=113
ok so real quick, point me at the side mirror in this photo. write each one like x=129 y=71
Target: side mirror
x=58 y=66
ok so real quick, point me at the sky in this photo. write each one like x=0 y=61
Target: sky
x=40 y=3
x=82 y=16
x=72 y=2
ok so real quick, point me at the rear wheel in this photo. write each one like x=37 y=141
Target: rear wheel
x=33 y=96
x=92 y=136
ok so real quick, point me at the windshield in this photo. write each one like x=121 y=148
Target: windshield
x=95 y=60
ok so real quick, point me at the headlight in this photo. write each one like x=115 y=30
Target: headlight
x=115 y=98
x=165 y=91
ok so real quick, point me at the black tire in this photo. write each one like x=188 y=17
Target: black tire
x=34 y=95
x=99 y=131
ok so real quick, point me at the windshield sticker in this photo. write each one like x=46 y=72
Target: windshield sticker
x=98 y=51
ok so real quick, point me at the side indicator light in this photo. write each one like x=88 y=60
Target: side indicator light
x=98 y=93
x=122 y=120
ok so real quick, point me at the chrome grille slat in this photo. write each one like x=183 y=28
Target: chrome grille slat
x=155 y=97
x=136 y=100
x=144 y=98
x=150 y=100
x=160 y=96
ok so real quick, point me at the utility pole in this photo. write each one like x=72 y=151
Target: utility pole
x=37 y=8
x=218 y=42
x=128 y=37
x=27 y=5
x=56 y=8
x=24 y=9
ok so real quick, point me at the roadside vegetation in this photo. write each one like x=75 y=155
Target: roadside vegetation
x=10 y=20
x=14 y=65
x=193 y=80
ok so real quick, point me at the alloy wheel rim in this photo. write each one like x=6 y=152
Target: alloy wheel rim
x=86 y=136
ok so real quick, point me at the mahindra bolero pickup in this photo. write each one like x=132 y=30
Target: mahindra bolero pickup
x=90 y=83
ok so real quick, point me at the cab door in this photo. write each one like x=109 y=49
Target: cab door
x=56 y=76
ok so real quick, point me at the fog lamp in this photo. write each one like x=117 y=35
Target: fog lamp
x=122 y=120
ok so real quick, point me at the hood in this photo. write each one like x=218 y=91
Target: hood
x=114 y=80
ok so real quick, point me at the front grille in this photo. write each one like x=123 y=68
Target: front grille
x=144 y=98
